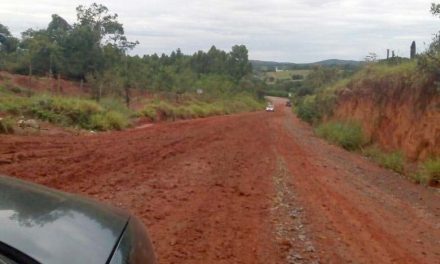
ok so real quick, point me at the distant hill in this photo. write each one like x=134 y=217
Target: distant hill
x=332 y=62
x=270 y=65
x=259 y=63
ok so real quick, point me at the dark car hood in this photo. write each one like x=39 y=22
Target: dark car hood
x=55 y=227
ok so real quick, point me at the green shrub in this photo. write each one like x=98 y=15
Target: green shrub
x=65 y=111
x=348 y=135
x=372 y=152
x=150 y=112
x=393 y=160
x=110 y=120
x=307 y=109
x=166 y=110
x=182 y=112
x=68 y=111
x=430 y=171
x=6 y=126
x=198 y=110
x=114 y=104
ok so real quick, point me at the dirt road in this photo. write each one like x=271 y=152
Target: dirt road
x=248 y=188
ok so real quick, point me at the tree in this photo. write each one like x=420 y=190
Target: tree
x=239 y=64
x=58 y=28
x=44 y=54
x=320 y=76
x=104 y=25
x=430 y=60
x=371 y=57
x=5 y=30
x=8 y=43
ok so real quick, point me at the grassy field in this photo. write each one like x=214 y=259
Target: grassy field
x=286 y=75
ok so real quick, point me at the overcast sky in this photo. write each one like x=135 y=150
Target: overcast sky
x=280 y=30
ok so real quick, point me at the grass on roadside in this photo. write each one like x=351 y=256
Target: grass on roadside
x=160 y=109
x=68 y=111
x=429 y=172
x=347 y=134
x=6 y=125
x=393 y=160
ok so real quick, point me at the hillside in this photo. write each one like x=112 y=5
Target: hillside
x=270 y=65
x=398 y=108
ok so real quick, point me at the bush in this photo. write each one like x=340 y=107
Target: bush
x=348 y=135
x=430 y=171
x=393 y=160
x=150 y=112
x=111 y=120
x=114 y=104
x=65 y=111
x=6 y=126
x=80 y=112
x=199 y=110
x=307 y=110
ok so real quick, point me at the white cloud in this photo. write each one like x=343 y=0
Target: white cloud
x=283 y=30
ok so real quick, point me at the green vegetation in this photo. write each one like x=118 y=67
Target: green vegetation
x=286 y=75
x=315 y=97
x=307 y=109
x=429 y=172
x=348 y=134
x=393 y=160
x=302 y=82
x=85 y=113
x=110 y=120
x=160 y=109
x=94 y=49
x=6 y=125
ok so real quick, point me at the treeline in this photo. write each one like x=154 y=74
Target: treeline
x=316 y=79
x=94 y=49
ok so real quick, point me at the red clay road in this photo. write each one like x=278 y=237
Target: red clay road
x=248 y=188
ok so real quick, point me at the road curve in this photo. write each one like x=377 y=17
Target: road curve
x=248 y=188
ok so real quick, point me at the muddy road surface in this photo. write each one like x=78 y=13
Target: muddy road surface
x=248 y=188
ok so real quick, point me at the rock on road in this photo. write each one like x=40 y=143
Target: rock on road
x=247 y=188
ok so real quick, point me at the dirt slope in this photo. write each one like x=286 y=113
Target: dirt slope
x=397 y=113
x=249 y=188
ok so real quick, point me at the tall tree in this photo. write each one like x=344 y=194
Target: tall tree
x=239 y=64
x=8 y=43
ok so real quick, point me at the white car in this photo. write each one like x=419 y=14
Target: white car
x=270 y=108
